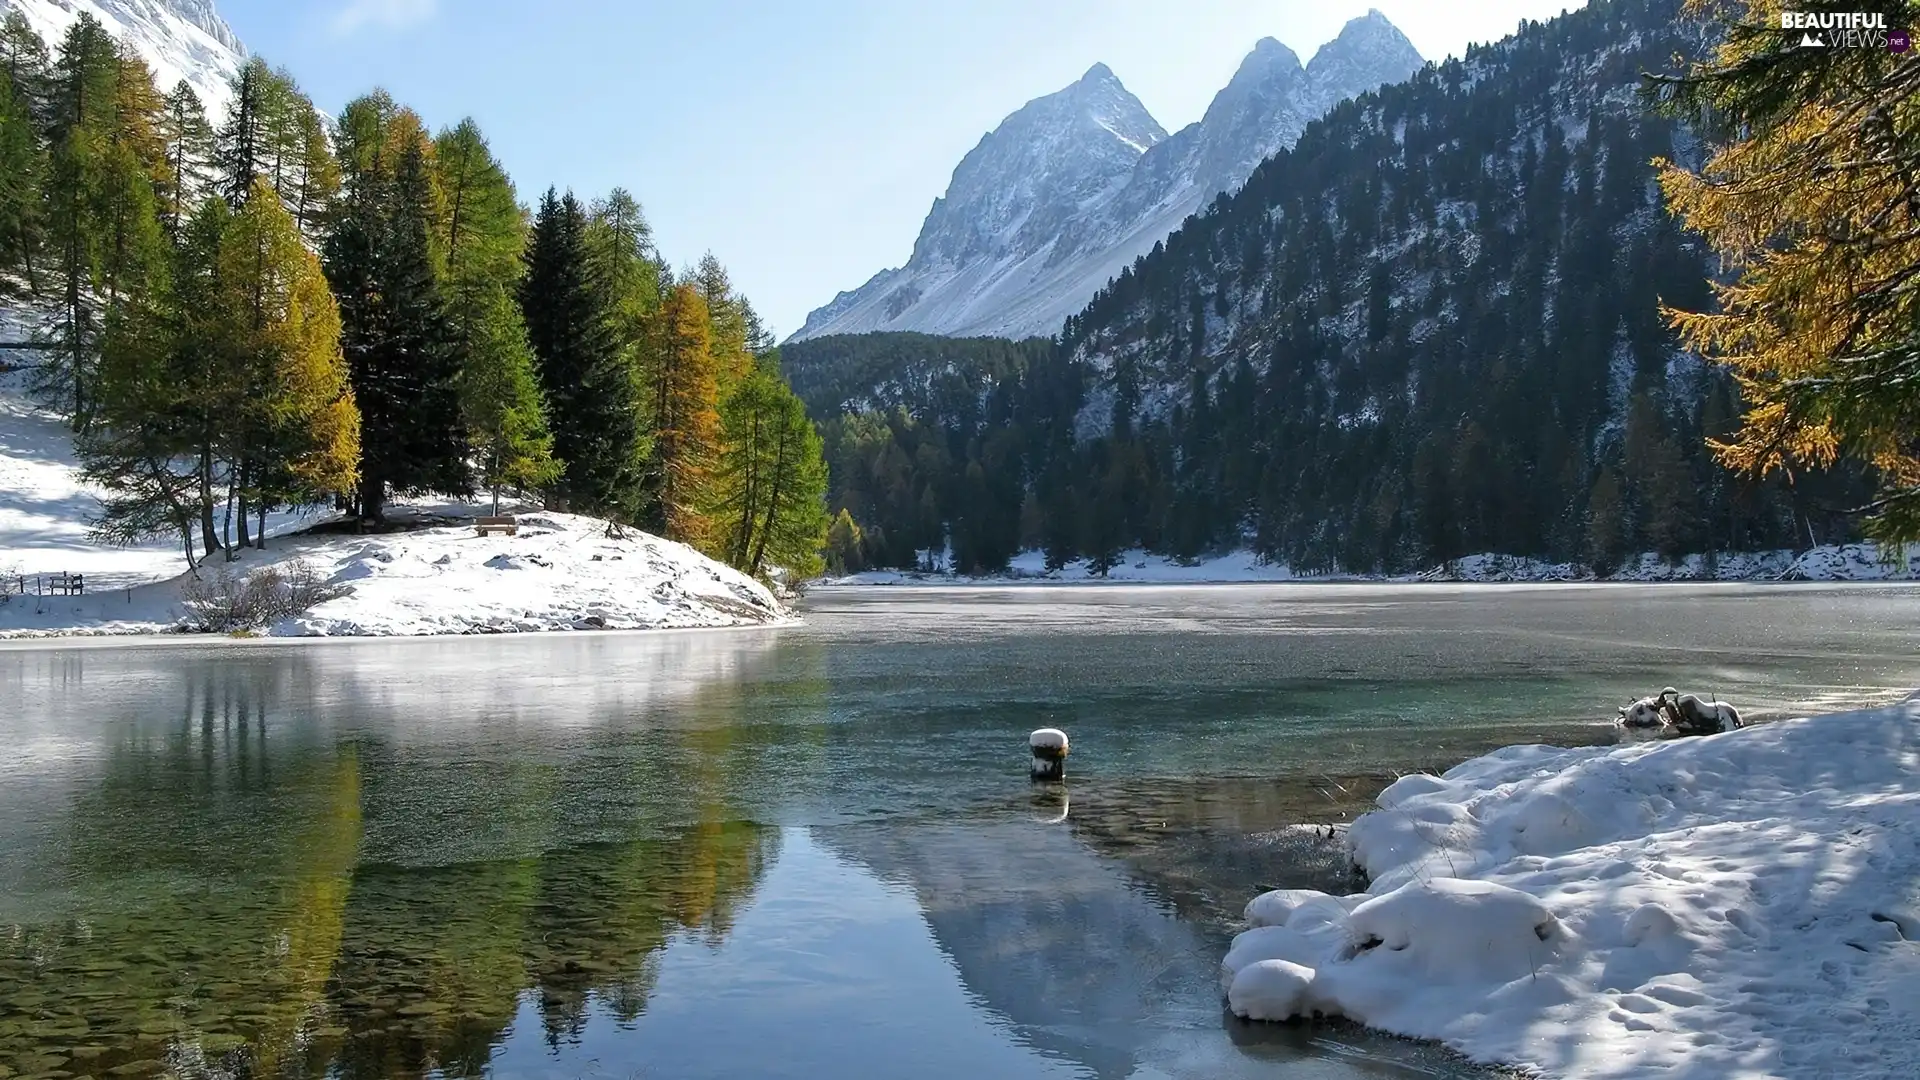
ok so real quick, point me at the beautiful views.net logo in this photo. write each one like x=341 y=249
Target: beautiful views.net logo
x=1845 y=30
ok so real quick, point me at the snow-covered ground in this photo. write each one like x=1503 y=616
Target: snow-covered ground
x=561 y=572
x=1136 y=565
x=45 y=507
x=1849 y=562
x=1745 y=904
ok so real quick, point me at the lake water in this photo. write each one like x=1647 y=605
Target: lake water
x=806 y=852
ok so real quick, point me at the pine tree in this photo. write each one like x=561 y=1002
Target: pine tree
x=400 y=345
x=23 y=167
x=770 y=486
x=236 y=362
x=1820 y=325
x=846 y=545
x=189 y=143
x=729 y=331
x=82 y=106
x=683 y=400
x=484 y=236
x=629 y=270
x=27 y=66
x=299 y=427
x=590 y=393
x=621 y=243
x=1606 y=524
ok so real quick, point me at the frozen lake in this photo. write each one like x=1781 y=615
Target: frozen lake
x=806 y=852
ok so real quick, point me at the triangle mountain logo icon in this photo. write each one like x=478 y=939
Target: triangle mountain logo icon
x=1811 y=41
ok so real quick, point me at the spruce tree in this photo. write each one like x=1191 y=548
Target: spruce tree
x=23 y=166
x=589 y=388
x=399 y=342
x=484 y=236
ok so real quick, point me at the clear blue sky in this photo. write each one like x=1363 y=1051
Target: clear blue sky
x=800 y=142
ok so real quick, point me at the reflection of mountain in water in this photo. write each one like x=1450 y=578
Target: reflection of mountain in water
x=1044 y=932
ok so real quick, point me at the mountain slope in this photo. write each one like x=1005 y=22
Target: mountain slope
x=1431 y=328
x=1022 y=275
x=179 y=39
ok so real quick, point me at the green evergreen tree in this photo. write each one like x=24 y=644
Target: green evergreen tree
x=23 y=167
x=771 y=483
x=846 y=545
x=80 y=180
x=189 y=142
x=400 y=344
x=298 y=427
x=589 y=387
x=484 y=235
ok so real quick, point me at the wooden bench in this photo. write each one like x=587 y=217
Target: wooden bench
x=506 y=525
x=67 y=585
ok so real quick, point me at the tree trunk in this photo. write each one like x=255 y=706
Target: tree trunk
x=209 y=536
x=773 y=503
x=245 y=542
x=743 y=541
x=260 y=535
x=373 y=498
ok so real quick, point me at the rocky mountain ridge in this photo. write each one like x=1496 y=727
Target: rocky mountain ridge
x=1073 y=187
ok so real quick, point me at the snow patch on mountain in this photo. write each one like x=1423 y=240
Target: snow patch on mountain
x=1073 y=187
x=179 y=39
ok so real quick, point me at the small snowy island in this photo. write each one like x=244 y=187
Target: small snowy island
x=557 y=571
x=428 y=570
x=1743 y=904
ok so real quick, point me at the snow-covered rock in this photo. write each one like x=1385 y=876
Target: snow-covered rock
x=1072 y=187
x=1741 y=904
x=179 y=39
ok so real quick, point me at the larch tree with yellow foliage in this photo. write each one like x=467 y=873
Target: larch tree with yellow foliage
x=683 y=399
x=1811 y=196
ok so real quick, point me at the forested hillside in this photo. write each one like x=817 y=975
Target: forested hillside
x=1430 y=328
x=255 y=307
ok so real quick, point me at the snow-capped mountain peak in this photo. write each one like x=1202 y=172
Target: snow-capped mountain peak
x=1349 y=64
x=179 y=39
x=1073 y=186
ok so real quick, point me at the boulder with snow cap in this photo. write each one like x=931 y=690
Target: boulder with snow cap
x=1271 y=990
x=1452 y=929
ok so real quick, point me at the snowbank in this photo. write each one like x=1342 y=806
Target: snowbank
x=1845 y=562
x=1134 y=566
x=1828 y=562
x=1741 y=904
x=562 y=572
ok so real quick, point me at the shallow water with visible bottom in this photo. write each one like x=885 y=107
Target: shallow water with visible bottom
x=805 y=852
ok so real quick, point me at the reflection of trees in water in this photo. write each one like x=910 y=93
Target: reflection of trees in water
x=189 y=951
x=211 y=917
x=434 y=960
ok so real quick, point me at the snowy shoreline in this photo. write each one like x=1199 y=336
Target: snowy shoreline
x=1827 y=563
x=559 y=573
x=1739 y=904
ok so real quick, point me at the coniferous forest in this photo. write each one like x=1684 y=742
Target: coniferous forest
x=270 y=308
x=1432 y=328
